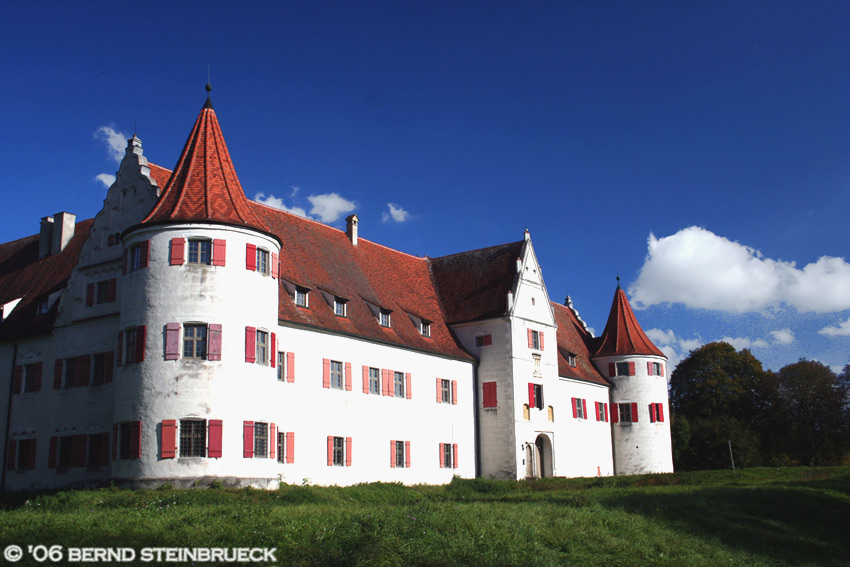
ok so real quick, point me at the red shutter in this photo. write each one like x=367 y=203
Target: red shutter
x=584 y=408
x=124 y=262
x=111 y=286
x=10 y=456
x=575 y=411
x=442 y=450
x=330 y=450
x=490 y=397
x=454 y=455
x=272 y=440
x=326 y=373
x=605 y=407
x=541 y=340
x=57 y=374
x=251 y=257
x=214 y=438
x=169 y=438
x=634 y=412
x=596 y=410
x=488 y=340
x=392 y=454
x=51 y=453
x=365 y=379
x=177 y=245
x=82 y=372
x=652 y=413
x=273 y=351
x=407 y=454
x=660 y=412
x=275 y=261
x=39 y=368
x=662 y=370
x=530 y=338
x=90 y=295
x=140 y=343
x=612 y=369
x=649 y=369
x=135 y=439
x=454 y=392
x=17 y=378
x=631 y=368
x=214 y=344
x=347 y=376
x=219 y=252
x=290 y=367
x=250 y=344
x=408 y=389
x=146 y=252
x=439 y=390
x=120 y=346
x=114 y=441
x=615 y=413
x=247 y=439
x=290 y=447
x=385 y=382
x=531 y=403
x=172 y=341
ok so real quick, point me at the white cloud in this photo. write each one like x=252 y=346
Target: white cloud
x=277 y=203
x=744 y=342
x=395 y=213
x=116 y=141
x=106 y=179
x=673 y=347
x=783 y=336
x=840 y=330
x=700 y=269
x=329 y=207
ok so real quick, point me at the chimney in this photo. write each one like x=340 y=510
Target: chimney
x=63 y=231
x=351 y=229
x=45 y=237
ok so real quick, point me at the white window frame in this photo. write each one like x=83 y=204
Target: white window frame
x=203 y=252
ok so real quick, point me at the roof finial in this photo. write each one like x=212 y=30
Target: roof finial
x=618 y=281
x=208 y=88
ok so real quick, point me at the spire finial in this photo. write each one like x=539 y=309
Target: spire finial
x=618 y=281
x=208 y=87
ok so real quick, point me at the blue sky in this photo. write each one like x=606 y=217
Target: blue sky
x=700 y=151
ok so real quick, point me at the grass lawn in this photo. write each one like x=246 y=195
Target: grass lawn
x=757 y=517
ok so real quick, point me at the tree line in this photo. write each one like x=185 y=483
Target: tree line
x=799 y=415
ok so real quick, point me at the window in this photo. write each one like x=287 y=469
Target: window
x=398 y=382
x=138 y=256
x=31 y=378
x=101 y=292
x=535 y=396
x=400 y=454
x=375 y=381
x=535 y=340
x=261 y=440
x=626 y=415
x=262 y=261
x=41 y=307
x=98 y=451
x=281 y=366
x=446 y=391
x=70 y=372
x=448 y=455
x=623 y=369
x=339 y=451
x=339 y=307
x=262 y=347
x=195 y=342
x=384 y=318
x=99 y=369
x=656 y=412
x=200 y=251
x=601 y=411
x=571 y=359
x=26 y=454
x=483 y=340
x=64 y=457
x=301 y=297
x=425 y=328
x=655 y=369
x=129 y=439
x=130 y=353
x=550 y=413
x=490 y=398
x=536 y=358
x=579 y=408
x=193 y=437
x=336 y=374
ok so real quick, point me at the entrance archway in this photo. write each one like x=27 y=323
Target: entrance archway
x=538 y=458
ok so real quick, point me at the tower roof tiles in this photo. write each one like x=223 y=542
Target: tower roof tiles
x=623 y=335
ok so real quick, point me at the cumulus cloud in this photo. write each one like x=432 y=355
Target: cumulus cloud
x=395 y=213
x=783 y=336
x=840 y=330
x=674 y=348
x=745 y=342
x=329 y=207
x=700 y=269
x=277 y=203
x=106 y=179
x=115 y=141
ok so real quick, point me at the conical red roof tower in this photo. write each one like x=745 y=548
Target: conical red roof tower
x=623 y=335
x=204 y=186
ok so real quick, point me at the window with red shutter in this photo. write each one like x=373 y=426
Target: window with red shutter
x=219 y=252
x=172 y=341
x=365 y=378
x=250 y=344
x=660 y=412
x=615 y=413
x=273 y=351
x=251 y=257
x=575 y=407
x=490 y=396
x=168 y=439
x=347 y=376
x=290 y=447
x=140 y=343
x=455 y=460
x=177 y=247
x=584 y=408
x=531 y=401
x=144 y=259
x=612 y=370
x=135 y=439
x=407 y=454
x=408 y=390
x=248 y=439
x=290 y=367
x=541 y=340
x=326 y=373
x=454 y=392
x=392 y=453
x=275 y=264
x=214 y=427
x=272 y=441
x=214 y=341
x=348 y=451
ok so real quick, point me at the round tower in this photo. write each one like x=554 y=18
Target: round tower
x=197 y=327
x=639 y=407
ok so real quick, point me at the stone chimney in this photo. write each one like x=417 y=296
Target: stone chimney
x=351 y=229
x=63 y=231
x=45 y=237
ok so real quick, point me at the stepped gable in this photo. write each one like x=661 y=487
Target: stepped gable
x=474 y=285
x=573 y=338
x=203 y=186
x=322 y=259
x=623 y=335
x=24 y=275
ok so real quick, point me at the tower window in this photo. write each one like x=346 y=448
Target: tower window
x=200 y=251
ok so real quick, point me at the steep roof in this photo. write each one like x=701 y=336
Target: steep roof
x=623 y=335
x=474 y=285
x=574 y=339
x=23 y=275
x=203 y=186
x=368 y=276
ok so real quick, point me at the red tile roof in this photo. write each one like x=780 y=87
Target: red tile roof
x=204 y=186
x=24 y=275
x=159 y=174
x=574 y=339
x=623 y=335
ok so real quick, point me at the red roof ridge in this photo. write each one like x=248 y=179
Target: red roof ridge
x=476 y=250
x=623 y=334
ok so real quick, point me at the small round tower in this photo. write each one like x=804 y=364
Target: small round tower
x=639 y=407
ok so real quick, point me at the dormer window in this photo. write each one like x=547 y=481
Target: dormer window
x=571 y=359
x=384 y=317
x=425 y=328
x=340 y=307
x=301 y=298
x=41 y=307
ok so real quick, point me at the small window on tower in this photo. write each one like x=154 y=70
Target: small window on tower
x=623 y=369
x=200 y=251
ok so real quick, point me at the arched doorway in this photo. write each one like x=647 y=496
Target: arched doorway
x=538 y=458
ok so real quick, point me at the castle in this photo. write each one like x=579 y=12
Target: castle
x=187 y=335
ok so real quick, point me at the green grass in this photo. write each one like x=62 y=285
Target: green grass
x=757 y=517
